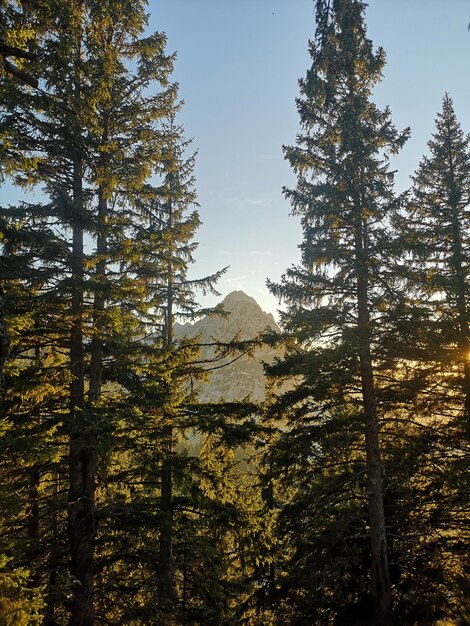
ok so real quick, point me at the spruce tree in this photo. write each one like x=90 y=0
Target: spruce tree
x=110 y=252
x=432 y=337
x=88 y=136
x=16 y=37
x=345 y=197
x=435 y=228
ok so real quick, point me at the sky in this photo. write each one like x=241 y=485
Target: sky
x=238 y=65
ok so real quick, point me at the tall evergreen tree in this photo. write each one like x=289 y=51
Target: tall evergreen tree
x=112 y=252
x=89 y=135
x=436 y=231
x=16 y=39
x=345 y=197
x=433 y=331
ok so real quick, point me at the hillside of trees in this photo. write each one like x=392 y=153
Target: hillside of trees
x=338 y=497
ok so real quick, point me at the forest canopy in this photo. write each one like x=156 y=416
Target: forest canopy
x=339 y=495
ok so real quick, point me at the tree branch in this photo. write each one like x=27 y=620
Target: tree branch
x=24 y=77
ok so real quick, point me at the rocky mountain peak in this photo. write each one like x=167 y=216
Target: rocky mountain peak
x=242 y=306
x=244 y=377
x=234 y=297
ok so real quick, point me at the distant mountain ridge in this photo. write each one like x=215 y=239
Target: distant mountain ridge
x=244 y=377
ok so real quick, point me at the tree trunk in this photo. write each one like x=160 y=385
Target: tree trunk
x=33 y=521
x=81 y=496
x=184 y=591
x=4 y=343
x=53 y=594
x=33 y=513
x=165 y=574
x=96 y=365
x=380 y=578
x=166 y=592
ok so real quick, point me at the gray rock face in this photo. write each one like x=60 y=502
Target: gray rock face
x=244 y=377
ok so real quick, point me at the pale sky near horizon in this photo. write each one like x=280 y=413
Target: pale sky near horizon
x=238 y=63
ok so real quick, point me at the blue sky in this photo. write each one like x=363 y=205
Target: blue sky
x=238 y=65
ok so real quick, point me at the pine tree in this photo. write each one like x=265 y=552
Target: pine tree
x=16 y=37
x=110 y=253
x=433 y=331
x=66 y=139
x=345 y=198
x=436 y=232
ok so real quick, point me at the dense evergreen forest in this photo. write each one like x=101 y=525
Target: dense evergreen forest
x=340 y=499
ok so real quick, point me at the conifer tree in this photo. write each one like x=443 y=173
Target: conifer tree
x=16 y=39
x=37 y=380
x=435 y=228
x=110 y=253
x=172 y=499
x=432 y=337
x=345 y=198
x=91 y=136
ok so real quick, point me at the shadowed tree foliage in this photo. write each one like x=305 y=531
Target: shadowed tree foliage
x=344 y=196
x=123 y=499
x=95 y=278
x=432 y=326
x=90 y=137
